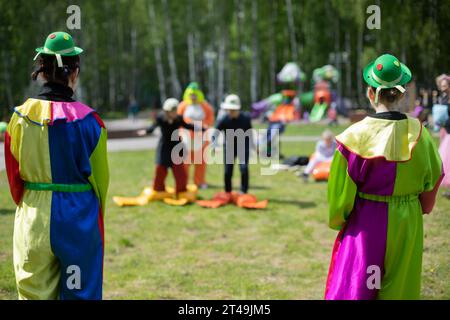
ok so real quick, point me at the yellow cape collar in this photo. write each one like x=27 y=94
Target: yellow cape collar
x=36 y=111
x=372 y=138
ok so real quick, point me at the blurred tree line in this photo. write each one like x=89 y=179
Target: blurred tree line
x=152 y=49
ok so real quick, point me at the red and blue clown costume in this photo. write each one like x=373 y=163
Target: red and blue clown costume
x=56 y=161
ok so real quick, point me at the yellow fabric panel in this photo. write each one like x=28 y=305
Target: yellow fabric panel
x=392 y=139
x=34 y=156
x=29 y=140
x=35 y=110
x=36 y=268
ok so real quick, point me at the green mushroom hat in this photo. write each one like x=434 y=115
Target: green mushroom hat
x=386 y=72
x=59 y=43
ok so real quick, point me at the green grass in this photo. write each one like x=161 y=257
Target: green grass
x=164 y=252
x=310 y=129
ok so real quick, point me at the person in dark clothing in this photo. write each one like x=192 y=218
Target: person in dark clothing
x=238 y=141
x=168 y=121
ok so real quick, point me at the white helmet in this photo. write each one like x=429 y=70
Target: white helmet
x=170 y=104
x=232 y=102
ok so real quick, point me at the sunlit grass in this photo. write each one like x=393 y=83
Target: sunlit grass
x=283 y=252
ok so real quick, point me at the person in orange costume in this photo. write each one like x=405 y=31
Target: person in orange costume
x=194 y=108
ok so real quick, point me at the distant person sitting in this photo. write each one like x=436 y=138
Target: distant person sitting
x=325 y=149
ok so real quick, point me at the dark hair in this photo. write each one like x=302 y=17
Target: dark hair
x=389 y=95
x=48 y=66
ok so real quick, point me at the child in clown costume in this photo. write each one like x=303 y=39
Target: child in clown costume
x=194 y=108
x=56 y=162
x=384 y=176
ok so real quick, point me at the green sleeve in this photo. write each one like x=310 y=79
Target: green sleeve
x=434 y=171
x=341 y=192
x=99 y=177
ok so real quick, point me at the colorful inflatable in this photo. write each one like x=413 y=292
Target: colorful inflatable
x=148 y=195
x=246 y=201
x=322 y=171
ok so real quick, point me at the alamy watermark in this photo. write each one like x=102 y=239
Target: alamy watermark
x=73 y=281
x=239 y=146
x=374 y=20
x=373 y=281
x=73 y=21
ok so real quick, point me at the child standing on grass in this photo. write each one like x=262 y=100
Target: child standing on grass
x=385 y=175
x=169 y=121
x=56 y=161
x=238 y=141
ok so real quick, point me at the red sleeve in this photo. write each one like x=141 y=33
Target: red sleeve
x=99 y=120
x=16 y=184
x=428 y=199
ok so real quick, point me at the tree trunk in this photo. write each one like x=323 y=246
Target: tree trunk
x=338 y=56
x=191 y=46
x=157 y=53
x=7 y=80
x=273 y=48
x=254 y=71
x=291 y=25
x=135 y=58
x=240 y=70
x=221 y=69
x=359 y=54
x=348 y=66
x=176 y=87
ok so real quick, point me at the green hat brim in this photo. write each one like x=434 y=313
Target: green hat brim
x=76 y=51
x=367 y=74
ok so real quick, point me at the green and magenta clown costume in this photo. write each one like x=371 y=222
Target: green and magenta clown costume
x=384 y=176
x=56 y=161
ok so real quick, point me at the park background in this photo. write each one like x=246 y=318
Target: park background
x=151 y=50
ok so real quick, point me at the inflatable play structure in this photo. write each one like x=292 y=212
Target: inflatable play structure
x=290 y=104
x=148 y=195
x=322 y=171
x=246 y=201
x=280 y=108
x=310 y=105
x=323 y=79
x=290 y=78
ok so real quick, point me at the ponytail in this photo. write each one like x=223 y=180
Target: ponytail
x=50 y=70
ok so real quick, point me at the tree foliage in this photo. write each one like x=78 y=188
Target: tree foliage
x=230 y=46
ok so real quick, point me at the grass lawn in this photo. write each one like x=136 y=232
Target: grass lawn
x=310 y=129
x=164 y=252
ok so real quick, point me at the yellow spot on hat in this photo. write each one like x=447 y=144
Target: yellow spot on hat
x=66 y=37
x=397 y=63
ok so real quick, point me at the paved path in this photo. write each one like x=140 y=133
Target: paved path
x=149 y=143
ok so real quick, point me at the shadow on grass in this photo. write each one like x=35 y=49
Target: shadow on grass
x=301 y=204
x=236 y=188
x=7 y=211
